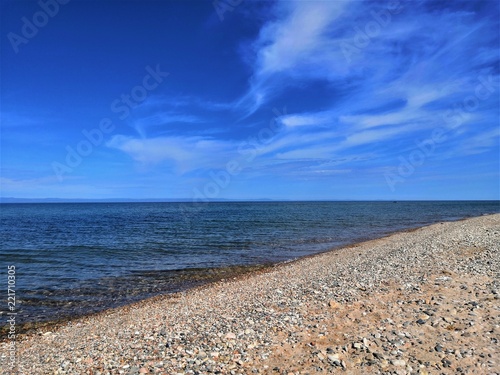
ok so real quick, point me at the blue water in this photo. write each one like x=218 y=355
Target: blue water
x=75 y=258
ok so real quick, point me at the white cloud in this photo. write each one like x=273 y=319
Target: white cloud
x=308 y=119
x=481 y=142
x=296 y=43
x=301 y=42
x=298 y=37
x=376 y=135
x=162 y=120
x=186 y=153
x=370 y=121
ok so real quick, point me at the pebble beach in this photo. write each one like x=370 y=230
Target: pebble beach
x=424 y=301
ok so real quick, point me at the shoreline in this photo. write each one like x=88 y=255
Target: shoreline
x=27 y=327
x=291 y=315
x=232 y=272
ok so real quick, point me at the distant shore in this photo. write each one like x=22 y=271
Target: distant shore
x=418 y=301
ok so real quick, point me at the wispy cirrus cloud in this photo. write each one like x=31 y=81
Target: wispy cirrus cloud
x=185 y=154
x=392 y=90
x=309 y=119
x=293 y=44
x=364 y=82
x=161 y=121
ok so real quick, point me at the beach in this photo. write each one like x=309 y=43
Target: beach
x=424 y=301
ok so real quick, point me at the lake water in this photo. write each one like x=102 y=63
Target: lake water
x=76 y=258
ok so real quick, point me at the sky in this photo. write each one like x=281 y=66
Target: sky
x=241 y=99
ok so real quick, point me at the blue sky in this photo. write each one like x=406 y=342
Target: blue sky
x=247 y=100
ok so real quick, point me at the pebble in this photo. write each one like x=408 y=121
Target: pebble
x=385 y=306
x=398 y=362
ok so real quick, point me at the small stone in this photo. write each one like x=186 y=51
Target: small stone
x=230 y=336
x=446 y=362
x=378 y=356
x=398 y=362
x=333 y=304
x=333 y=357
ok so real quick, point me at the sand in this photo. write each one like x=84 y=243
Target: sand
x=424 y=301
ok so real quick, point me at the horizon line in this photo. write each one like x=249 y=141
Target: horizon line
x=7 y=200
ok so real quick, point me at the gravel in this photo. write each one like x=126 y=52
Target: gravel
x=424 y=301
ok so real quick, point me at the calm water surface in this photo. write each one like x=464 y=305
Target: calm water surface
x=76 y=258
